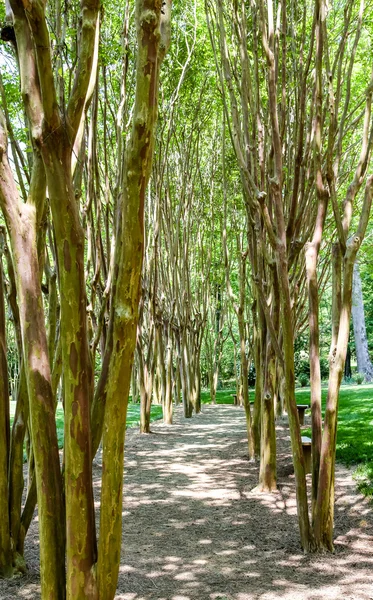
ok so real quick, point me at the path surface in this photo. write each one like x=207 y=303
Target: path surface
x=196 y=529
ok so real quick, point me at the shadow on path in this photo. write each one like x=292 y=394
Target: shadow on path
x=195 y=528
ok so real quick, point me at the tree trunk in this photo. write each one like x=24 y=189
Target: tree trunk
x=134 y=385
x=16 y=480
x=153 y=35
x=283 y=279
x=146 y=378
x=161 y=364
x=324 y=508
x=77 y=371
x=315 y=374
x=21 y=223
x=197 y=381
x=185 y=376
x=245 y=386
x=267 y=474
x=348 y=370
x=167 y=415
x=259 y=361
x=6 y=554
x=364 y=364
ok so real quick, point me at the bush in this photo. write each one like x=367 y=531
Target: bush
x=252 y=375
x=302 y=367
x=303 y=380
x=359 y=378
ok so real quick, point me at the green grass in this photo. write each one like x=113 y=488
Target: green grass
x=355 y=430
x=355 y=427
x=355 y=422
x=133 y=417
x=222 y=397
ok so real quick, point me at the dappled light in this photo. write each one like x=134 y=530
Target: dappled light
x=195 y=526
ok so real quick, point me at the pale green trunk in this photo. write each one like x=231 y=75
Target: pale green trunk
x=137 y=168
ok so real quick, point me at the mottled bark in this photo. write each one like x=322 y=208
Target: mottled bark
x=312 y=253
x=6 y=553
x=21 y=224
x=77 y=370
x=53 y=136
x=281 y=257
x=324 y=508
x=315 y=375
x=267 y=474
x=153 y=39
x=16 y=480
x=20 y=422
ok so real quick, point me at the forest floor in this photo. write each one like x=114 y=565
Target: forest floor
x=195 y=527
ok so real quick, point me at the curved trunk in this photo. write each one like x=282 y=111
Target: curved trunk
x=6 y=554
x=324 y=508
x=21 y=224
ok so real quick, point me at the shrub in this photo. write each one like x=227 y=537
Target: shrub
x=252 y=375
x=302 y=367
x=303 y=380
x=359 y=378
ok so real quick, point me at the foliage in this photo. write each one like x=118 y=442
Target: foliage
x=302 y=367
x=252 y=375
x=359 y=378
x=303 y=380
x=364 y=478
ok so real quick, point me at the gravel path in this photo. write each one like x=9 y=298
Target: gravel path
x=195 y=528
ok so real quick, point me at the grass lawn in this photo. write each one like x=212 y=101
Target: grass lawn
x=355 y=427
x=355 y=430
x=133 y=417
x=222 y=397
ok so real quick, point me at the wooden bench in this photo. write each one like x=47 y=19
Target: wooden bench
x=301 y=410
x=307 y=447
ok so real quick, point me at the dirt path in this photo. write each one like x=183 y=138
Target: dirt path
x=196 y=529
